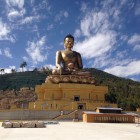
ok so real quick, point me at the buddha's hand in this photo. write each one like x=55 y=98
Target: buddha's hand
x=70 y=65
x=59 y=67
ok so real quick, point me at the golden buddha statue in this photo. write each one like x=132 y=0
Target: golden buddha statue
x=69 y=61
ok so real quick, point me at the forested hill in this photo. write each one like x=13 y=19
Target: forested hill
x=21 y=79
x=124 y=92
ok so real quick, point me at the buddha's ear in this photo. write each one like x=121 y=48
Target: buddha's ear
x=64 y=45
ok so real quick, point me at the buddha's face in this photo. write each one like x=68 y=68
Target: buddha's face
x=68 y=43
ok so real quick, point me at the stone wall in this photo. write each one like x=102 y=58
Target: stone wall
x=27 y=114
x=33 y=114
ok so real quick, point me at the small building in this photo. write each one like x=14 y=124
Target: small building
x=108 y=110
x=108 y=115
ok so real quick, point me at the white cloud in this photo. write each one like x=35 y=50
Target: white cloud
x=7 y=52
x=83 y=7
x=77 y=33
x=133 y=68
x=122 y=2
x=137 y=47
x=107 y=61
x=134 y=39
x=16 y=3
x=106 y=3
x=135 y=42
x=96 y=46
x=101 y=20
x=25 y=58
x=100 y=61
x=121 y=54
x=29 y=19
x=15 y=9
x=44 y=4
x=60 y=15
x=37 y=50
x=137 y=10
x=4 y=30
x=50 y=66
x=94 y=22
x=0 y=52
x=8 y=70
x=124 y=37
x=14 y=13
x=49 y=27
x=66 y=14
x=99 y=38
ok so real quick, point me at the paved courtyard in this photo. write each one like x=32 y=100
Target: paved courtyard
x=74 y=131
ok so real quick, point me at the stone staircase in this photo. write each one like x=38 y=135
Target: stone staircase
x=68 y=116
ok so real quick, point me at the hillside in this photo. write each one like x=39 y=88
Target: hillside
x=124 y=92
x=21 y=79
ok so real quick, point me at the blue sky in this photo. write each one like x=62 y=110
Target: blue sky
x=107 y=33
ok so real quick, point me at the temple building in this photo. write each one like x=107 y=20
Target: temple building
x=70 y=96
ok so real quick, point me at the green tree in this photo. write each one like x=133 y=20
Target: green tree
x=13 y=70
x=2 y=71
x=23 y=65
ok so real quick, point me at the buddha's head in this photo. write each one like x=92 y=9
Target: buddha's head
x=68 y=41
